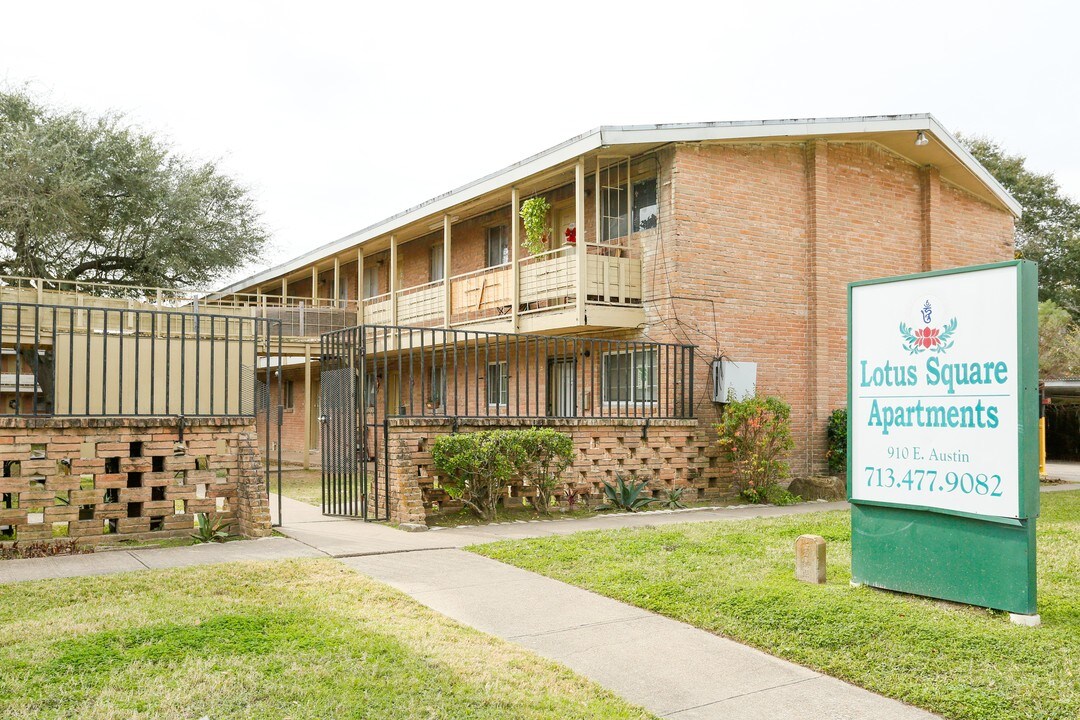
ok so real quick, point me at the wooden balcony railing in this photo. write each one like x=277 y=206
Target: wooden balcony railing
x=481 y=294
x=421 y=305
x=546 y=282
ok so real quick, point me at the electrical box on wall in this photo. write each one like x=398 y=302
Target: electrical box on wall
x=733 y=380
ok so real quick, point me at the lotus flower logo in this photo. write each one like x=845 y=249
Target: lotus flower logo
x=920 y=340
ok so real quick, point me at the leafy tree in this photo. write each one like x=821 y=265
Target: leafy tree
x=1059 y=342
x=97 y=200
x=1049 y=230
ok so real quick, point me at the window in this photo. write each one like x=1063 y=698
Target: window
x=645 y=205
x=437 y=387
x=436 y=263
x=630 y=377
x=370 y=391
x=613 y=212
x=288 y=393
x=371 y=282
x=498 y=246
x=498 y=384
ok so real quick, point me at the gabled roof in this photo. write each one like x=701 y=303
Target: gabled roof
x=896 y=132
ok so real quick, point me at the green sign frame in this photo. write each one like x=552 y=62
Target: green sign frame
x=976 y=559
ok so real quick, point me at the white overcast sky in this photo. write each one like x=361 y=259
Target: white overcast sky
x=337 y=115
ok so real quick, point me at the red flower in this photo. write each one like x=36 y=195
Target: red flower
x=927 y=337
x=571 y=235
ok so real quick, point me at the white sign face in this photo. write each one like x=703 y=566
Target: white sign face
x=934 y=392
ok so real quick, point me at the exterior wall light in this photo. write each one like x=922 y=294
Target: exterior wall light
x=920 y=139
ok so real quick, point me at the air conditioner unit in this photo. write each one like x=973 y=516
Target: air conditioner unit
x=733 y=380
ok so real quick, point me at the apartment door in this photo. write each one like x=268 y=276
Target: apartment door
x=565 y=216
x=562 y=387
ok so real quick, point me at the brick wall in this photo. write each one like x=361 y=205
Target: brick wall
x=99 y=479
x=668 y=453
x=293 y=419
x=762 y=241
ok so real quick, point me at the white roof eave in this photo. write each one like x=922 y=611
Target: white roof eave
x=608 y=136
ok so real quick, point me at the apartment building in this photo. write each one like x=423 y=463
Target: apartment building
x=668 y=248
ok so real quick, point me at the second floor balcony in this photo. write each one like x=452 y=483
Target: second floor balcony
x=472 y=267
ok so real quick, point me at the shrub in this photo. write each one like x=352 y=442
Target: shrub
x=479 y=466
x=754 y=435
x=836 y=455
x=540 y=456
x=625 y=495
x=476 y=469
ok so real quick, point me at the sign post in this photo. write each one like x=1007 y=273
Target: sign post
x=943 y=424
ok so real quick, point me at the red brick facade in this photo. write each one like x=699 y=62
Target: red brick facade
x=760 y=241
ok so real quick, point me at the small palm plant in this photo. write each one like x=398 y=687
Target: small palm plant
x=673 y=499
x=210 y=529
x=625 y=495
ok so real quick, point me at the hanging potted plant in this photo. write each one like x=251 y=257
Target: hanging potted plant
x=534 y=213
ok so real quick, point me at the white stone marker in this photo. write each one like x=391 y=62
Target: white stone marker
x=810 y=559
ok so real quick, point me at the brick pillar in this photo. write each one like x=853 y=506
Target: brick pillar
x=930 y=181
x=253 y=504
x=407 y=445
x=818 y=332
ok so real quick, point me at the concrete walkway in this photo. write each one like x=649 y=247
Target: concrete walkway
x=344 y=538
x=673 y=669
x=1066 y=472
x=118 y=561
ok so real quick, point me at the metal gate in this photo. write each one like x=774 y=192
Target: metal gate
x=354 y=477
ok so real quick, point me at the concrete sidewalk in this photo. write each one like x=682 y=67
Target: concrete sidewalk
x=670 y=668
x=343 y=538
x=1067 y=472
x=118 y=561
x=673 y=669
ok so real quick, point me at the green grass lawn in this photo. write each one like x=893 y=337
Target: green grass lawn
x=302 y=485
x=291 y=639
x=737 y=579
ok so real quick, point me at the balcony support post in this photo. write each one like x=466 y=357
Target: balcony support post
x=446 y=271
x=360 y=287
x=579 y=231
x=393 y=280
x=314 y=285
x=337 y=282
x=284 y=291
x=307 y=406
x=515 y=256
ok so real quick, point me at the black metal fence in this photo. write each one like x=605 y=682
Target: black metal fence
x=65 y=361
x=419 y=372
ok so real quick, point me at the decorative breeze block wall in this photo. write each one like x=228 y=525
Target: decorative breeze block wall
x=99 y=479
x=669 y=453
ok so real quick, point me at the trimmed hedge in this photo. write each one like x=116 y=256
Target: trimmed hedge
x=478 y=467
